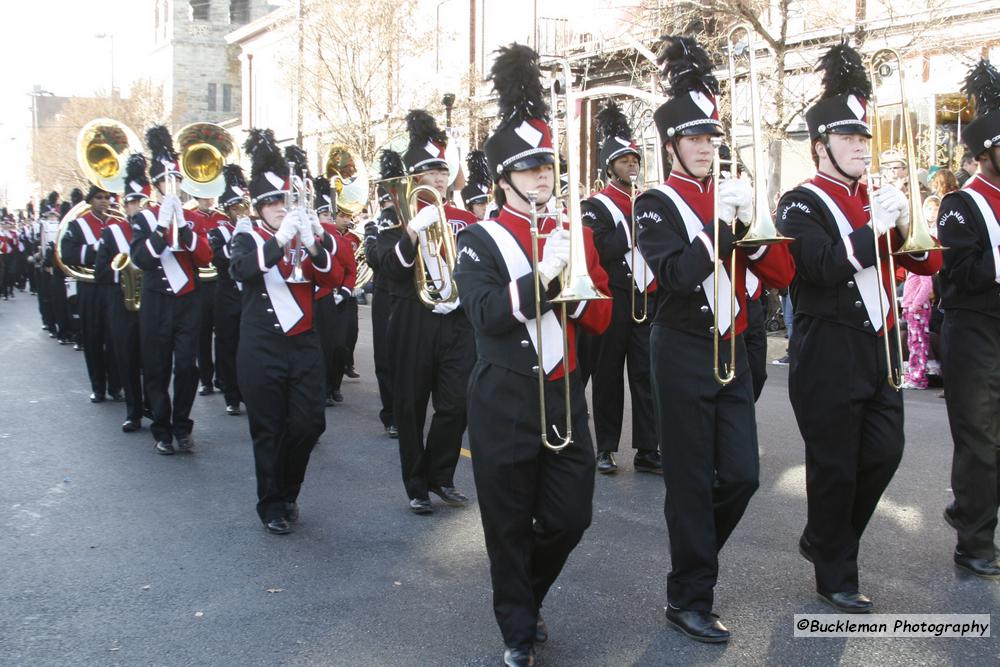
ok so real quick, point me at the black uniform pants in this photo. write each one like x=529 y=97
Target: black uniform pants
x=851 y=420
x=124 y=327
x=972 y=357
x=708 y=438
x=5 y=286
x=98 y=349
x=60 y=305
x=43 y=285
x=325 y=325
x=535 y=504
x=346 y=326
x=432 y=358
x=281 y=378
x=624 y=343
x=206 y=367
x=227 y=340
x=381 y=307
x=169 y=327
x=755 y=339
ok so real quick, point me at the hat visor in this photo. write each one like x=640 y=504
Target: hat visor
x=713 y=129
x=851 y=128
x=532 y=161
x=427 y=166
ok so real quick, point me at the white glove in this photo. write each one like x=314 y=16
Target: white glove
x=445 y=308
x=887 y=204
x=306 y=230
x=317 y=228
x=735 y=199
x=555 y=256
x=892 y=198
x=338 y=297
x=170 y=206
x=288 y=229
x=243 y=225
x=423 y=220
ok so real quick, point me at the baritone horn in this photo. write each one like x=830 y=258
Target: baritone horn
x=883 y=64
x=131 y=280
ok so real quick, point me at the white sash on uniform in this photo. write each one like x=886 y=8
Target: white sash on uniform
x=868 y=281
x=694 y=225
x=989 y=217
x=518 y=264
x=643 y=281
x=286 y=308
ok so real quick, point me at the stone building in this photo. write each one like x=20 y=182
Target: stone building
x=199 y=71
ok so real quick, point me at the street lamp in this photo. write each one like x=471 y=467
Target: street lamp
x=107 y=35
x=448 y=101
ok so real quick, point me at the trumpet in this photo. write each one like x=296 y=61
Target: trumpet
x=299 y=196
x=918 y=238
x=170 y=188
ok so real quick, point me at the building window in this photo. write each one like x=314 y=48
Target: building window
x=239 y=11
x=211 y=97
x=199 y=10
x=227 y=97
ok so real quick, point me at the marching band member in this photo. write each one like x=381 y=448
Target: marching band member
x=327 y=299
x=206 y=218
x=850 y=417
x=476 y=193
x=122 y=322
x=382 y=303
x=432 y=351
x=170 y=317
x=279 y=362
x=535 y=503
x=79 y=247
x=347 y=305
x=970 y=231
x=228 y=303
x=609 y=214
x=707 y=431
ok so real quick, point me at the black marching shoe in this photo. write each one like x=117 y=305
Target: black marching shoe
x=292 y=515
x=351 y=373
x=77 y=347
x=206 y=389
x=847 y=602
x=451 y=496
x=132 y=425
x=233 y=410
x=518 y=657
x=278 y=526
x=392 y=431
x=648 y=461
x=421 y=506
x=116 y=396
x=541 y=631
x=606 y=463
x=337 y=396
x=701 y=626
x=330 y=401
x=987 y=568
x=185 y=444
x=805 y=548
x=166 y=448
x=97 y=398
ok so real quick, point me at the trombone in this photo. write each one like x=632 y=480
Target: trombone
x=882 y=65
x=577 y=284
x=724 y=372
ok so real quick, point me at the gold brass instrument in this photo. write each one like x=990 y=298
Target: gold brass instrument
x=130 y=278
x=102 y=149
x=82 y=273
x=762 y=229
x=365 y=272
x=439 y=240
x=204 y=149
x=883 y=64
x=348 y=178
x=299 y=196
x=724 y=373
x=577 y=284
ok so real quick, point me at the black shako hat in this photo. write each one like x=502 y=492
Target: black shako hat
x=983 y=84
x=477 y=185
x=268 y=170
x=136 y=182
x=427 y=143
x=523 y=140
x=693 y=89
x=235 y=190
x=843 y=105
x=616 y=136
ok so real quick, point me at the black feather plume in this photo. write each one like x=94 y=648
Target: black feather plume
x=135 y=168
x=687 y=66
x=233 y=176
x=298 y=156
x=160 y=143
x=517 y=81
x=390 y=164
x=423 y=128
x=479 y=169
x=53 y=198
x=983 y=83
x=321 y=186
x=264 y=153
x=844 y=72
x=76 y=196
x=613 y=123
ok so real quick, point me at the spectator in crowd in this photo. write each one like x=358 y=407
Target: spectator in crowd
x=917 y=304
x=969 y=167
x=943 y=182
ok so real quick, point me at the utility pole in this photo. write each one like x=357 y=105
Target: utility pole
x=298 y=78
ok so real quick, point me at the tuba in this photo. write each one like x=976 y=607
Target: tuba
x=102 y=149
x=349 y=185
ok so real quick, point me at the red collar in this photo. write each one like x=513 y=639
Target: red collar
x=688 y=185
x=836 y=187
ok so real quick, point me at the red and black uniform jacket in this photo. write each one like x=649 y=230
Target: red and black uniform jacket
x=167 y=271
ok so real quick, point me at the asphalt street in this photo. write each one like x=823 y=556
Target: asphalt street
x=113 y=555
